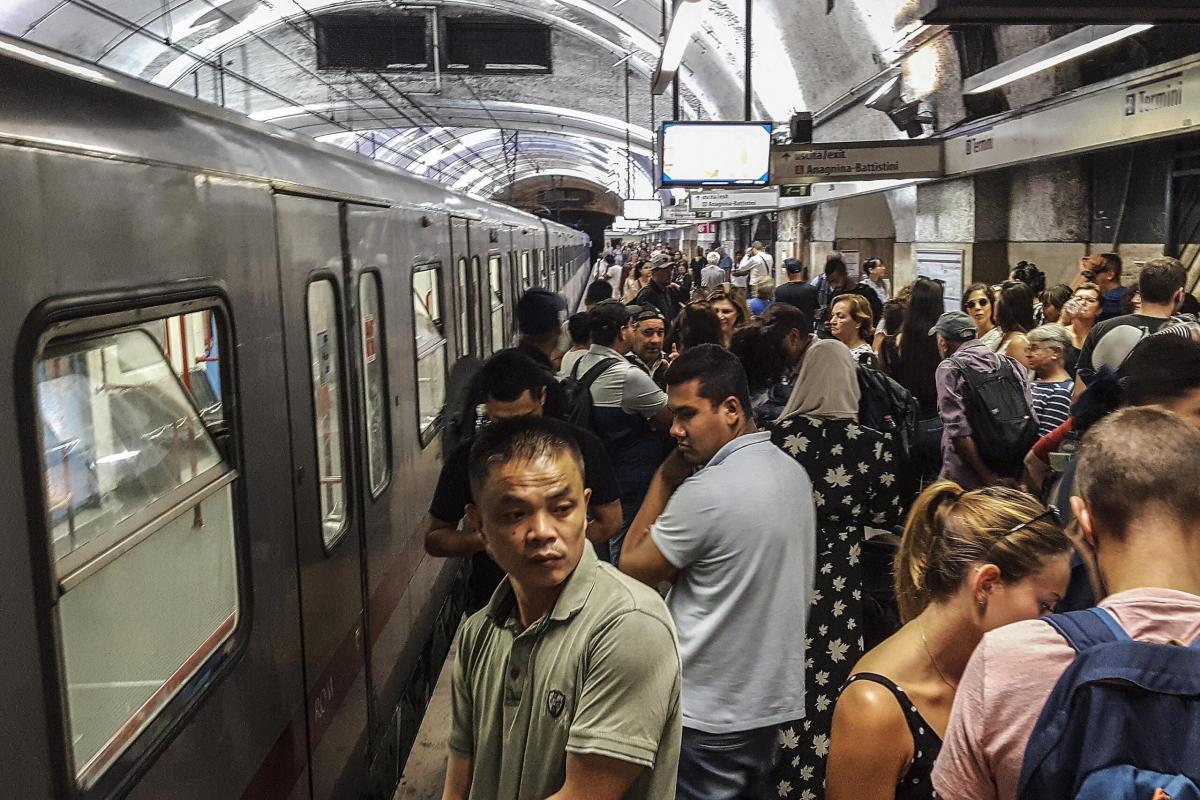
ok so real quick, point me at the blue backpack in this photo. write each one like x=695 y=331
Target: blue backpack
x=1123 y=722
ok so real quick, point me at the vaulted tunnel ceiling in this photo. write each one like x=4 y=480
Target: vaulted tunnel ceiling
x=482 y=132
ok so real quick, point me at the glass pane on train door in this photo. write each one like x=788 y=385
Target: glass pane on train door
x=374 y=378
x=478 y=306
x=464 y=306
x=324 y=357
x=496 y=295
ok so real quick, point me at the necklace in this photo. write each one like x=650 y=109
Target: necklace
x=933 y=660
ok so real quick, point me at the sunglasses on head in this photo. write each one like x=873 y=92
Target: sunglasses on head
x=1051 y=513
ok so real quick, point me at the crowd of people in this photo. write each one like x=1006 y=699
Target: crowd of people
x=731 y=538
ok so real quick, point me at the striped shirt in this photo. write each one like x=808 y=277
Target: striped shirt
x=1052 y=403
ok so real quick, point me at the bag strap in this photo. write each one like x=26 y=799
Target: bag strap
x=589 y=377
x=1088 y=628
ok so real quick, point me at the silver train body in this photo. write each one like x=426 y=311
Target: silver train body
x=223 y=348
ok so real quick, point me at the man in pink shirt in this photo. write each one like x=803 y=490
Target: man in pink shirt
x=1137 y=499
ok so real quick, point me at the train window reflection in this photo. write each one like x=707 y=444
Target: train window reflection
x=497 y=290
x=191 y=344
x=139 y=512
x=526 y=276
x=324 y=353
x=430 y=348
x=375 y=394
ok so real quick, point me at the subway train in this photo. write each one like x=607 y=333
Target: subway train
x=225 y=348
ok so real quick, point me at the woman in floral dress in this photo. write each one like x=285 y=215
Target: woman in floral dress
x=853 y=474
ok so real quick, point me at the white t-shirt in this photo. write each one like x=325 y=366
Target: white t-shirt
x=740 y=602
x=614 y=277
x=758 y=268
x=568 y=362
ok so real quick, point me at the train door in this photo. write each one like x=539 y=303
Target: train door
x=317 y=342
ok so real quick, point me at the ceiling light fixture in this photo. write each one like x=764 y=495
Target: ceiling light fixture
x=1065 y=48
x=684 y=20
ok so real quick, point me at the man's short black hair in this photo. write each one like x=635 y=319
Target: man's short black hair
x=719 y=371
x=834 y=266
x=1112 y=262
x=597 y=291
x=1159 y=369
x=519 y=438
x=1160 y=279
x=509 y=374
x=577 y=327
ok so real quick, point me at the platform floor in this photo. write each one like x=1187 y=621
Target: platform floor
x=425 y=771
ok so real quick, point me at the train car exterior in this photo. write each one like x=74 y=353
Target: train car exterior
x=225 y=349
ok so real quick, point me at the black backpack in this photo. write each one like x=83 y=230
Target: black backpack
x=578 y=391
x=1002 y=423
x=888 y=407
x=460 y=416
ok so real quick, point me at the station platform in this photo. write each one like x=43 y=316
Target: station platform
x=425 y=771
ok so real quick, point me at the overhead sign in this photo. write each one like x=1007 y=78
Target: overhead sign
x=735 y=199
x=855 y=161
x=679 y=213
x=795 y=190
x=1162 y=102
x=1027 y=12
x=642 y=209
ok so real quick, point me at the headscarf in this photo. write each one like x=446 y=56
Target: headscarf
x=827 y=386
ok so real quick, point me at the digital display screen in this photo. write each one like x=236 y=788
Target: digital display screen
x=1030 y=12
x=715 y=153
x=642 y=209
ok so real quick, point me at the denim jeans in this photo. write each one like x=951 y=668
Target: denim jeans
x=727 y=766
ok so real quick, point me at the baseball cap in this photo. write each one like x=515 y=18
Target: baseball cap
x=610 y=315
x=954 y=326
x=647 y=311
x=540 y=311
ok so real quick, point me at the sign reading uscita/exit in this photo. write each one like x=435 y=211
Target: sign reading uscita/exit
x=841 y=161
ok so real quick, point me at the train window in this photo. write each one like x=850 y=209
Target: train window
x=375 y=393
x=464 y=314
x=139 y=511
x=430 y=348
x=526 y=275
x=497 y=289
x=324 y=353
x=478 y=314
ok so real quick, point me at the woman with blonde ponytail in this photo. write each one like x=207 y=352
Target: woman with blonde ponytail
x=968 y=562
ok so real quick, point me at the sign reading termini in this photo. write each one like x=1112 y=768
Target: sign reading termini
x=856 y=161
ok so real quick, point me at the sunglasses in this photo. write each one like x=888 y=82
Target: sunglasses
x=1051 y=512
x=981 y=303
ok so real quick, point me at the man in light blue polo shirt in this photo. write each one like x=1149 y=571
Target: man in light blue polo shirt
x=729 y=519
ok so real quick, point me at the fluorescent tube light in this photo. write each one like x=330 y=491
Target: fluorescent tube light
x=683 y=24
x=1051 y=54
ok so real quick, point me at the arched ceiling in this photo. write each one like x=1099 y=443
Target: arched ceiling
x=258 y=51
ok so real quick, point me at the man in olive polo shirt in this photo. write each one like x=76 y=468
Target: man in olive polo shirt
x=567 y=685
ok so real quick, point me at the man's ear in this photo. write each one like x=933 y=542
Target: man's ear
x=1083 y=515
x=476 y=520
x=732 y=407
